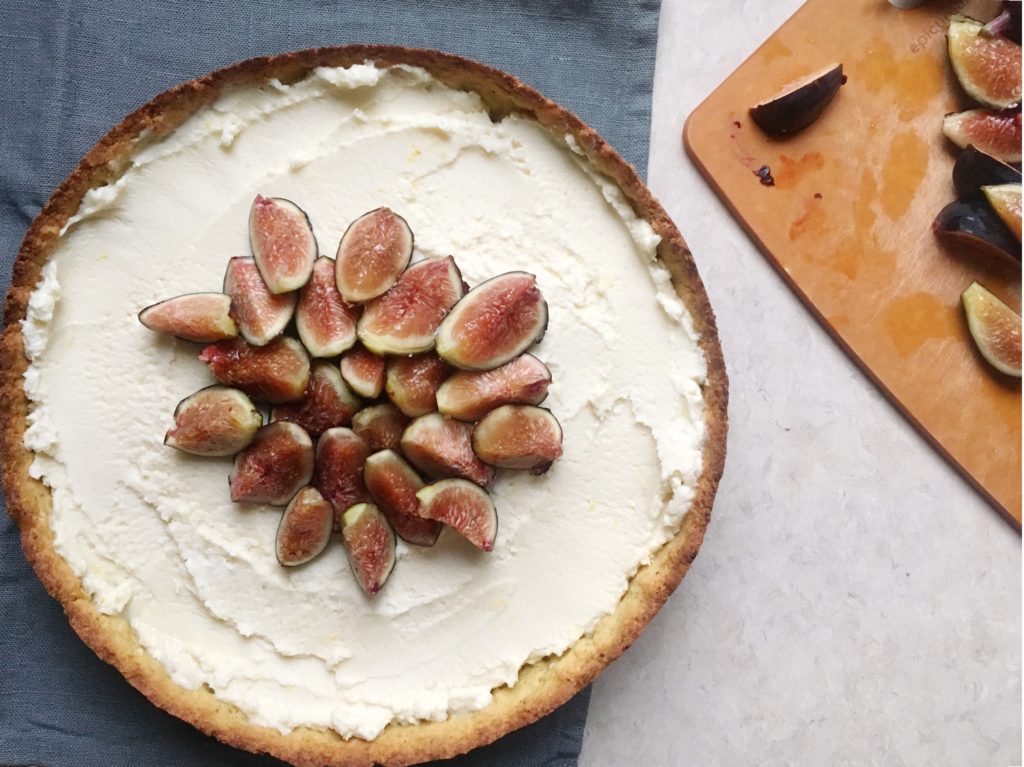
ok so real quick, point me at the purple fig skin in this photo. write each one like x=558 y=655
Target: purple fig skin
x=495 y=322
x=463 y=506
x=328 y=402
x=275 y=373
x=325 y=323
x=393 y=484
x=442 y=448
x=469 y=396
x=340 y=455
x=305 y=528
x=973 y=225
x=370 y=543
x=215 y=421
x=274 y=467
x=799 y=104
x=974 y=169
x=412 y=382
x=364 y=372
x=282 y=243
x=373 y=253
x=260 y=315
x=518 y=437
x=380 y=426
x=197 y=317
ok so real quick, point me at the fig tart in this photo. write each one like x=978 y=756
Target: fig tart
x=459 y=367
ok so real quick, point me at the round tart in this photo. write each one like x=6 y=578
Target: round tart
x=179 y=588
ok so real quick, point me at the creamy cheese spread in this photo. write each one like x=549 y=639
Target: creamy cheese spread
x=151 y=531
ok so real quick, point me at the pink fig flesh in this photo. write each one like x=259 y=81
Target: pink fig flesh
x=370 y=543
x=393 y=484
x=261 y=316
x=470 y=395
x=495 y=322
x=405 y=319
x=282 y=243
x=372 y=254
x=463 y=506
x=327 y=403
x=305 y=528
x=277 y=372
x=442 y=447
x=364 y=372
x=273 y=468
x=518 y=437
x=197 y=317
x=215 y=421
x=326 y=324
x=412 y=382
x=380 y=426
x=340 y=455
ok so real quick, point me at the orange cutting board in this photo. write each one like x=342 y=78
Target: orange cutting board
x=848 y=222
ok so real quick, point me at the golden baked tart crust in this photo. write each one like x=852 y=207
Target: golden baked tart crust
x=541 y=686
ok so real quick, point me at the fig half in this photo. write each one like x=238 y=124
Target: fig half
x=277 y=372
x=469 y=396
x=326 y=324
x=363 y=371
x=380 y=426
x=442 y=447
x=273 y=468
x=974 y=226
x=261 y=316
x=373 y=252
x=282 y=243
x=340 y=455
x=370 y=543
x=215 y=421
x=464 y=507
x=393 y=484
x=800 y=103
x=197 y=317
x=995 y=328
x=987 y=67
x=974 y=169
x=412 y=382
x=305 y=528
x=1005 y=201
x=496 y=321
x=405 y=319
x=328 y=402
x=995 y=133
x=518 y=437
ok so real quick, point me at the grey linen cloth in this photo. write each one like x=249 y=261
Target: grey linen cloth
x=69 y=71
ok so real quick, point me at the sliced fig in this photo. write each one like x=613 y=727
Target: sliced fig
x=393 y=484
x=282 y=243
x=800 y=103
x=1005 y=201
x=988 y=68
x=328 y=402
x=261 y=316
x=380 y=426
x=496 y=321
x=995 y=328
x=974 y=169
x=974 y=226
x=198 y=317
x=370 y=543
x=442 y=447
x=273 y=468
x=277 y=372
x=412 y=382
x=215 y=421
x=464 y=507
x=469 y=396
x=519 y=437
x=326 y=324
x=1007 y=23
x=305 y=528
x=340 y=455
x=405 y=319
x=373 y=252
x=996 y=133
x=363 y=371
